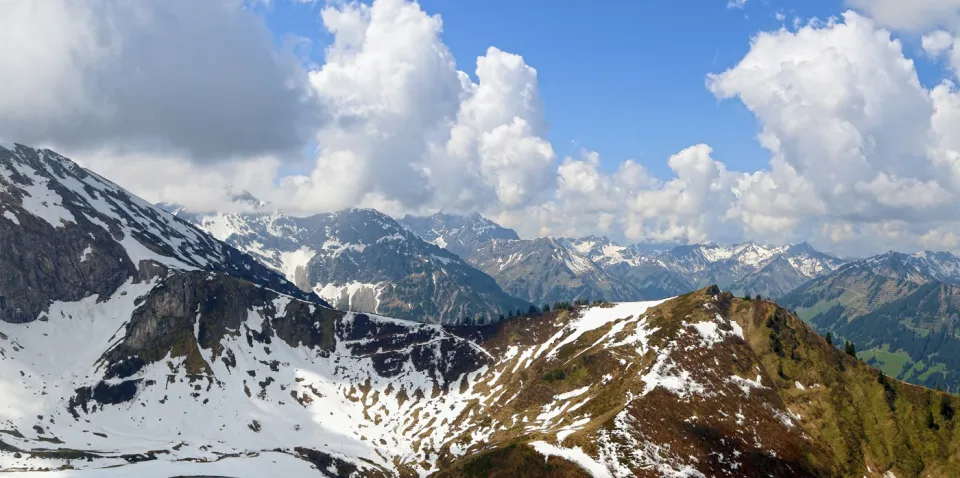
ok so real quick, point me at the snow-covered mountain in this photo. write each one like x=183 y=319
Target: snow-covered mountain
x=133 y=344
x=637 y=266
x=362 y=260
x=753 y=268
x=597 y=267
x=69 y=233
x=213 y=376
x=544 y=270
x=462 y=235
x=919 y=267
x=547 y=270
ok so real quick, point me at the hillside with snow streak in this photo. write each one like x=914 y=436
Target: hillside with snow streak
x=688 y=387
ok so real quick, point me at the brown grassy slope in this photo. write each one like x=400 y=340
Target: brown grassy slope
x=849 y=421
x=856 y=420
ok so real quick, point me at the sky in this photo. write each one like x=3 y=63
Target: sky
x=828 y=121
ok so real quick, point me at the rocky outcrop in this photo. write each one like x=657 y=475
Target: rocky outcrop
x=68 y=234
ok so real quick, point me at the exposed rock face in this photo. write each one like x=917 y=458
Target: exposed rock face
x=545 y=271
x=68 y=233
x=461 y=235
x=362 y=260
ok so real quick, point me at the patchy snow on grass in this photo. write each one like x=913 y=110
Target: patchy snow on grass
x=665 y=374
x=595 y=317
x=711 y=332
x=576 y=455
x=624 y=447
x=572 y=393
x=744 y=384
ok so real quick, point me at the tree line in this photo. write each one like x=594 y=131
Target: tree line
x=531 y=311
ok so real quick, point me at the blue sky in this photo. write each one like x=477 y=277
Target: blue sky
x=625 y=79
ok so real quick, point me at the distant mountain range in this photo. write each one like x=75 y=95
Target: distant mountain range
x=362 y=260
x=549 y=269
x=901 y=310
x=462 y=269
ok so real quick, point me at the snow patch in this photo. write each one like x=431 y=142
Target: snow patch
x=595 y=317
x=744 y=384
x=290 y=261
x=575 y=455
x=572 y=393
x=12 y=217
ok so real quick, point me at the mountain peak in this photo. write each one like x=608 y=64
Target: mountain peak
x=462 y=235
x=244 y=197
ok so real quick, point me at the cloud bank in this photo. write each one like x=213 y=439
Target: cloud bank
x=182 y=101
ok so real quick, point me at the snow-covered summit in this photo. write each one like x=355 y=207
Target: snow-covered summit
x=461 y=235
x=71 y=232
x=918 y=267
x=363 y=260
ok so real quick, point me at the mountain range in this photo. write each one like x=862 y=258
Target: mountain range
x=133 y=343
x=362 y=260
x=548 y=269
x=901 y=310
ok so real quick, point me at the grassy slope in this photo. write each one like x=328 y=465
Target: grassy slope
x=853 y=421
x=846 y=411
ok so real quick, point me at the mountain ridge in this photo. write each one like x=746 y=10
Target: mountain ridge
x=596 y=267
x=362 y=260
x=589 y=390
x=901 y=311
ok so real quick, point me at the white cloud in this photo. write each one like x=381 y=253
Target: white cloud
x=171 y=178
x=411 y=129
x=937 y=42
x=847 y=122
x=197 y=78
x=862 y=156
x=736 y=3
x=911 y=15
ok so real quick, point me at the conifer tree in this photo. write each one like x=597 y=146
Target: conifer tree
x=850 y=348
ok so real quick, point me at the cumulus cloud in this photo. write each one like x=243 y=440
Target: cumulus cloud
x=863 y=157
x=409 y=130
x=911 y=15
x=201 y=79
x=855 y=138
x=937 y=42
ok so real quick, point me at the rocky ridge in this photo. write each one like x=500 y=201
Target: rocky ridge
x=363 y=260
